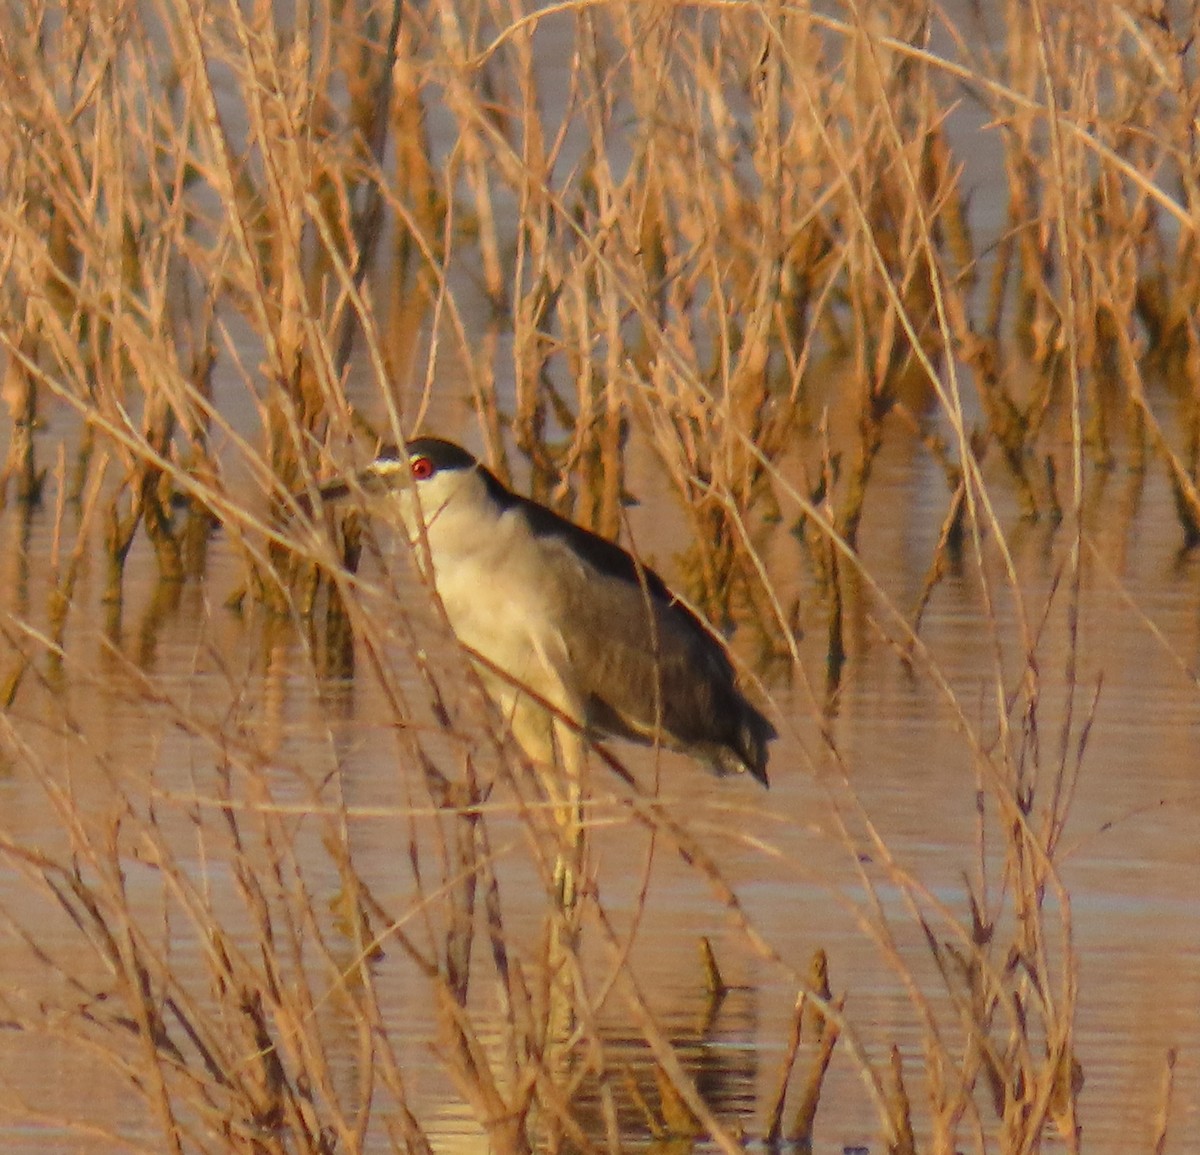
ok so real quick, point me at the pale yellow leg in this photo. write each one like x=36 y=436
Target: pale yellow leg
x=557 y=750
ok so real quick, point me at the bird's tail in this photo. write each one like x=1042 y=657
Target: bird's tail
x=748 y=750
x=754 y=732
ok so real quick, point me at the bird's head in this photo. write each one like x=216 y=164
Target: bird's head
x=443 y=477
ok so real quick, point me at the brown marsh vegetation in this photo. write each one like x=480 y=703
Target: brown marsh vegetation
x=242 y=242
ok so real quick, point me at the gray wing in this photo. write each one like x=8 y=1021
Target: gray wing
x=647 y=669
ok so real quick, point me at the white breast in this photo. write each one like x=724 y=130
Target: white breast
x=490 y=572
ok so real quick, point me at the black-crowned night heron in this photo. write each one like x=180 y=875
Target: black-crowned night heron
x=554 y=609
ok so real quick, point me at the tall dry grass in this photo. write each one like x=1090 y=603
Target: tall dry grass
x=744 y=234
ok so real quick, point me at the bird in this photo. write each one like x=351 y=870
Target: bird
x=561 y=621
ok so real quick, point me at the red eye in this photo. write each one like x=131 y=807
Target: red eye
x=422 y=468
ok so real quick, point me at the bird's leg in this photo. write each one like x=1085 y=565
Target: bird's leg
x=566 y=776
x=568 y=812
x=548 y=726
x=556 y=749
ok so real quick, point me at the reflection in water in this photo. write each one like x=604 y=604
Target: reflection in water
x=714 y=1041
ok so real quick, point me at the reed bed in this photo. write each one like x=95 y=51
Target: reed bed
x=243 y=244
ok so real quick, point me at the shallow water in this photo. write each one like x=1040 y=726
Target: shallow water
x=1130 y=865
